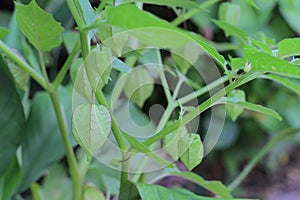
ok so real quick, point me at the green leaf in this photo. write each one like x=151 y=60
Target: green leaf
x=3 y=32
x=82 y=89
x=38 y=26
x=230 y=13
x=157 y=192
x=252 y=107
x=231 y=30
x=264 y=47
x=139 y=85
x=136 y=145
x=91 y=125
x=191 y=150
x=252 y=3
x=289 y=47
x=98 y=66
x=92 y=193
x=15 y=39
x=290 y=11
x=237 y=63
x=86 y=11
x=57 y=176
x=171 y=141
x=12 y=118
x=215 y=187
x=267 y=63
x=10 y=179
x=249 y=51
x=185 y=58
x=294 y=86
x=104 y=31
x=129 y=191
x=152 y=30
x=120 y=66
x=131 y=119
x=104 y=177
x=233 y=110
x=69 y=39
x=75 y=68
x=21 y=77
x=175 y=3
x=42 y=146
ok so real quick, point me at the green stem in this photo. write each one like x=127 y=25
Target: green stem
x=163 y=78
x=171 y=107
x=119 y=138
x=43 y=67
x=177 y=88
x=191 y=115
x=280 y=137
x=74 y=169
x=60 y=76
x=21 y=63
x=160 y=126
x=75 y=13
x=203 y=90
x=85 y=46
x=101 y=99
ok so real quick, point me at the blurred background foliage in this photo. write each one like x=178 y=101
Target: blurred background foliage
x=273 y=21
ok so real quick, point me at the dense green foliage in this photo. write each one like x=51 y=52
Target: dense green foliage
x=80 y=116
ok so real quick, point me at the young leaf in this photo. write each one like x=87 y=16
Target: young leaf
x=139 y=85
x=230 y=13
x=235 y=110
x=252 y=107
x=38 y=26
x=215 y=187
x=289 y=47
x=175 y=3
x=267 y=63
x=191 y=150
x=91 y=126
